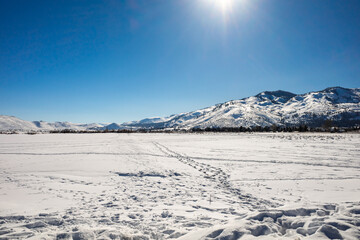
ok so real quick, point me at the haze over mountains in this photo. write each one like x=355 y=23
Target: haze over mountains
x=341 y=105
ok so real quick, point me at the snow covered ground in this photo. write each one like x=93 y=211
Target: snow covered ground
x=187 y=186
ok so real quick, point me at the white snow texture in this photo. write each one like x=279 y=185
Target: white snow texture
x=186 y=186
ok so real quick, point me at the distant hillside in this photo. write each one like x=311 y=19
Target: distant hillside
x=10 y=123
x=341 y=105
x=281 y=108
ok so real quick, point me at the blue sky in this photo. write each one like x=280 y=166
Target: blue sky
x=116 y=61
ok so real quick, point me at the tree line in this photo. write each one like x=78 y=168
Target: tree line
x=327 y=126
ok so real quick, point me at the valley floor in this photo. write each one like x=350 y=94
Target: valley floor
x=186 y=186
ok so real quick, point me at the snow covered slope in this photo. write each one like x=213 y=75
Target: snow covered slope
x=13 y=123
x=340 y=105
x=9 y=123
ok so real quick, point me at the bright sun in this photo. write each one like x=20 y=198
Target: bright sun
x=223 y=5
x=227 y=9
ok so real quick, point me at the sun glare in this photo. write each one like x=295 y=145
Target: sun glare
x=227 y=7
x=224 y=5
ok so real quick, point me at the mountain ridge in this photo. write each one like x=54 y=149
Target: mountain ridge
x=267 y=108
x=11 y=123
x=271 y=107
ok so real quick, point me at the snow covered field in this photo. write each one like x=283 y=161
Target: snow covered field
x=187 y=186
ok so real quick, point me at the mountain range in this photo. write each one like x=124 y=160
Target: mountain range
x=340 y=105
x=8 y=123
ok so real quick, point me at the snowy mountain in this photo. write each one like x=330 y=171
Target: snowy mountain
x=13 y=123
x=10 y=123
x=112 y=126
x=341 y=105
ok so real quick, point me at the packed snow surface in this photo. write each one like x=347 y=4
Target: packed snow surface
x=186 y=186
